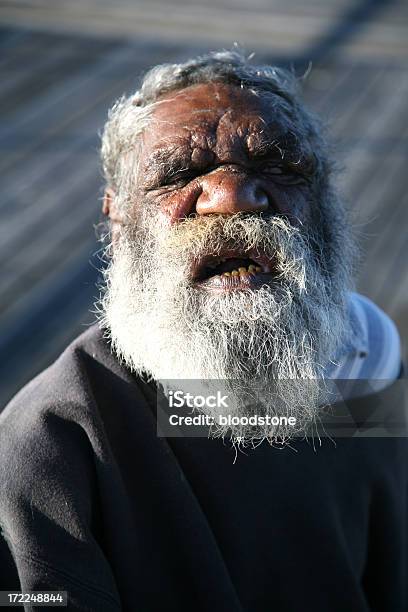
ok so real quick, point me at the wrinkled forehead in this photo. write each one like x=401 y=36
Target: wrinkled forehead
x=209 y=114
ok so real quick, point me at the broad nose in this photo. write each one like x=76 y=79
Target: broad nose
x=227 y=192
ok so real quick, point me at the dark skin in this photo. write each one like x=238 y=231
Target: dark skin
x=215 y=148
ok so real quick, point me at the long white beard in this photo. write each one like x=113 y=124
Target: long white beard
x=271 y=343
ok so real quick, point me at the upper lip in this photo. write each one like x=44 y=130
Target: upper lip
x=266 y=263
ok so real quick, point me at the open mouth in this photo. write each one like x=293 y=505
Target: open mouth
x=233 y=270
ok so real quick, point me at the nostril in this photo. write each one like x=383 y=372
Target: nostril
x=261 y=197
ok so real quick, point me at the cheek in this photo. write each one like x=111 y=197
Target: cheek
x=179 y=203
x=292 y=201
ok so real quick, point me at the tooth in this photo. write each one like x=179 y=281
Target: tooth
x=226 y=274
x=258 y=268
x=251 y=269
x=242 y=269
x=234 y=273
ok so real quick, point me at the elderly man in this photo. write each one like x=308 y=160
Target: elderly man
x=230 y=261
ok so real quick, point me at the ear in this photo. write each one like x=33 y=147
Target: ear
x=108 y=206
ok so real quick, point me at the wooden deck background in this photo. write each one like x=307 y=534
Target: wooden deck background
x=63 y=64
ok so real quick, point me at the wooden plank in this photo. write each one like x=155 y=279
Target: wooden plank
x=209 y=25
x=35 y=74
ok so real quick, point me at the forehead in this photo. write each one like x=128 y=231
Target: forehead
x=208 y=98
x=202 y=114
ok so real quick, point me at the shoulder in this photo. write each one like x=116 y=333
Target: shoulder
x=50 y=446
x=63 y=420
x=380 y=336
x=373 y=351
x=65 y=387
x=58 y=437
x=46 y=429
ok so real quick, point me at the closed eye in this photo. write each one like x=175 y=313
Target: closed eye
x=181 y=176
x=184 y=175
x=284 y=174
x=171 y=179
x=289 y=173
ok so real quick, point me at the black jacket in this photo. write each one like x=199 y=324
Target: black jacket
x=93 y=502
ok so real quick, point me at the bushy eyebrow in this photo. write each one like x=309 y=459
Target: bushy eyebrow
x=169 y=160
x=267 y=148
x=165 y=162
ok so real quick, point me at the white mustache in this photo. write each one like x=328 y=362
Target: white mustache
x=194 y=239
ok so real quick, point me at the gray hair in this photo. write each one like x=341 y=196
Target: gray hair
x=130 y=114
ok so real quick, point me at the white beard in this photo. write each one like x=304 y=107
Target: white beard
x=271 y=343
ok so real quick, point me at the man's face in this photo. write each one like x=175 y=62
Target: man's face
x=221 y=270
x=216 y=149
